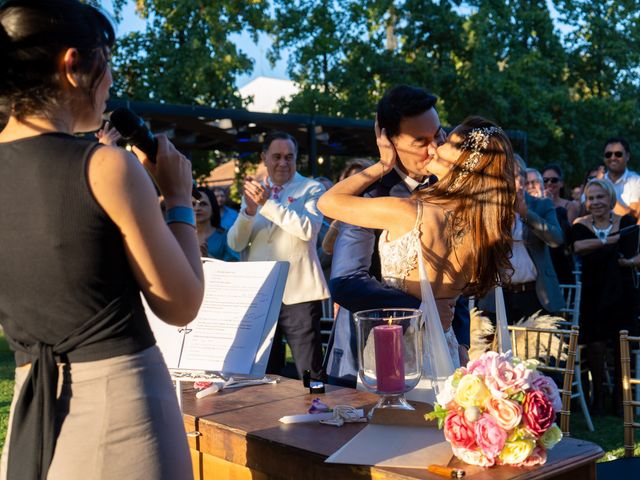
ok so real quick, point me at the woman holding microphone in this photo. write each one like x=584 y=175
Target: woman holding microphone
x=93 y=397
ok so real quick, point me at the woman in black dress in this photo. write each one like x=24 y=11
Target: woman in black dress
x=608 y=294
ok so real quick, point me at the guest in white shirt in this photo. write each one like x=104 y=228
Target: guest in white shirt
x=626 y=183
x=279 y=220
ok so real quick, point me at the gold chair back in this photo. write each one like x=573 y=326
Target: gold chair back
x=555 y=350
x=629 y=403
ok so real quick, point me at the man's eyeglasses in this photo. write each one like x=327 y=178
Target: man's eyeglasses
x=440 y=137
x=553 y=180
x=617 y=154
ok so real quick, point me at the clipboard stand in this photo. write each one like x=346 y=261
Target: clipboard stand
x=230 y=339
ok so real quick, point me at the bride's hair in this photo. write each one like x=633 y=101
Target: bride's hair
x=481 y=184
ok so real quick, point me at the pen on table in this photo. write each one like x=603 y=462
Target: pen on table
x=447 y=472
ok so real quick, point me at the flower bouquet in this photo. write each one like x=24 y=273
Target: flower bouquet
x=499 y=410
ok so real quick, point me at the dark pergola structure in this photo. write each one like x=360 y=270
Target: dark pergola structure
x=202 y=128
x=229 y=130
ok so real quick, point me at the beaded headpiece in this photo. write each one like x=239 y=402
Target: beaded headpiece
x=476 y=141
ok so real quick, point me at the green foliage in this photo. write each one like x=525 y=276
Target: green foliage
x=503 y=59
x=185 y=54
x=335 y=54
x=568 y=89
x=7 y=367
x=439 y=413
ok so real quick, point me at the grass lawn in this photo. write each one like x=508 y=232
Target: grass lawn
x=7 y=366
x=608 y=432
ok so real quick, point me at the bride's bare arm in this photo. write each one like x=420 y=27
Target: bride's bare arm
x=343 y=203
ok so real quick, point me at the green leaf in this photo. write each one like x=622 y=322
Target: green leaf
x=439 y=413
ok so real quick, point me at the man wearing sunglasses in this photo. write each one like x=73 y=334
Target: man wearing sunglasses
x=625 y=182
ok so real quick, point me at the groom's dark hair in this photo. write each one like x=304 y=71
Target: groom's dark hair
x=400 y=102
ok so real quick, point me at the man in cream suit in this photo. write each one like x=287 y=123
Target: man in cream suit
x=279 y=220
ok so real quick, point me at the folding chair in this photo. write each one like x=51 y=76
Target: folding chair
x=326 y=322
x=624 y=467
x=571 y=312
x=555 y=350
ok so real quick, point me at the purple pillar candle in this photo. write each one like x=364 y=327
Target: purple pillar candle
x=389 y=358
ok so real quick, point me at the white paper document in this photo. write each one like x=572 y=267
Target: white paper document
x=234 y=328
x=395 y=446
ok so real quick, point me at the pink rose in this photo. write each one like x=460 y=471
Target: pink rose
x=506 y=412
x=538 y=412
x=458 y=431
x=504 y=378
x=490 y=437
x=473 y=457
x=537 y=457
x=479 y=366
x=547 y=386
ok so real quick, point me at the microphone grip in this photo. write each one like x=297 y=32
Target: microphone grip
x=148 y=143
x=135 y=132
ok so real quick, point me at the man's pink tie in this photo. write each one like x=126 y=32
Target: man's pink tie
x=275 y=192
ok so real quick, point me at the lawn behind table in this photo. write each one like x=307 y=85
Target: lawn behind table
x=608 y=432
x=7 y=366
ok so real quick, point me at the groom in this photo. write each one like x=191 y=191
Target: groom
x=412 y=124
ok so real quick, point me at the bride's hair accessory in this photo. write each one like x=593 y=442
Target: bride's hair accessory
x=476 y=142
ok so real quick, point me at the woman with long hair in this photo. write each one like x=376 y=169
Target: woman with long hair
x=92 y=397
x=463 y=222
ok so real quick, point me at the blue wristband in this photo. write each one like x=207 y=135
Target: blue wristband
x=181 y=215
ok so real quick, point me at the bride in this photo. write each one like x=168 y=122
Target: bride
x=461 y=226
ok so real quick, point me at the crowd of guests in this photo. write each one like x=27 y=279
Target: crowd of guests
x=556 y=240
x=461 y=201
x=589 y=238
x=600 y=250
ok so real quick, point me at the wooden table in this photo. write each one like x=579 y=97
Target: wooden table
x=235 y=434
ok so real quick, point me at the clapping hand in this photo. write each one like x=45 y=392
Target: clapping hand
x=255 y=194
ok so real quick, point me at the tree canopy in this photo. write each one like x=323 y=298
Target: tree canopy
x=564 y=71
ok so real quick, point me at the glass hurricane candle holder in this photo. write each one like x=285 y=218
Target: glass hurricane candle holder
x=389 y=353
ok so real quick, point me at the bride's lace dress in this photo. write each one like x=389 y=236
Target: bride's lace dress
x=398 y=258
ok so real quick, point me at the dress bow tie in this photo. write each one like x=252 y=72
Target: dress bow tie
x=427 y=183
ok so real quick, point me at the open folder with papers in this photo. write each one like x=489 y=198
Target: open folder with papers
x=234 y=329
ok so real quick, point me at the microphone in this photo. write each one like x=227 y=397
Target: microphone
x=135 y=132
